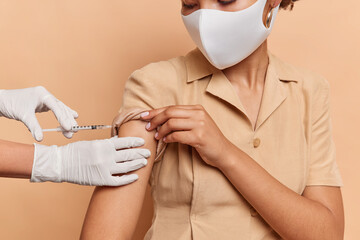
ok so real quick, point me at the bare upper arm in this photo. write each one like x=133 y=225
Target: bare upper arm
x=114 y=211
x=331 y=198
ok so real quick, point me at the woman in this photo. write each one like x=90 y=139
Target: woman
x=245 y=149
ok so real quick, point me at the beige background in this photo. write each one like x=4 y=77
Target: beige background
x=83 y=51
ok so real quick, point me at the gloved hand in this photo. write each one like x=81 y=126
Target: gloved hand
x=22 y=104
x=90 y=162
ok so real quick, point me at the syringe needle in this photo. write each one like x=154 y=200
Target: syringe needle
x=77 y=128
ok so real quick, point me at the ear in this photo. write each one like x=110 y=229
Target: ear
x=275 y=3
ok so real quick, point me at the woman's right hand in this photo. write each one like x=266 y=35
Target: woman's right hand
x=191 y=125
x=22 y=104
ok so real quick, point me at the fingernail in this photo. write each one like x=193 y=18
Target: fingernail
x=164 y=138
x=145 y=162
x=156 y=135
x=144 y=114
x=148 y=125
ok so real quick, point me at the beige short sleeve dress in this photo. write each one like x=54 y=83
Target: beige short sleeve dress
x=292 y=141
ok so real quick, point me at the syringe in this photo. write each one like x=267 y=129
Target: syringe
x=77 y=128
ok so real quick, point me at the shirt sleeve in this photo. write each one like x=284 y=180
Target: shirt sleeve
x=146 y=89
x=323 y=169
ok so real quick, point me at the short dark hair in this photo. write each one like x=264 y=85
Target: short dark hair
x=285 y=4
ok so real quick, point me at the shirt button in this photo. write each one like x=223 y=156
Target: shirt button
x=256 y=142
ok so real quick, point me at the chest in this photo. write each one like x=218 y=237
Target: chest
x=250 y=99
x=279 y=145
x=278 y=142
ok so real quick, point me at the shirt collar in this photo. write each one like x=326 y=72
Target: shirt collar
x=198 y=67
x=274 y=91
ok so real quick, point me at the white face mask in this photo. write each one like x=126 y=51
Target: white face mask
x=227 y=38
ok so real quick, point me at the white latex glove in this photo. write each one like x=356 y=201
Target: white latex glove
x=90 y=162
x=22 y=104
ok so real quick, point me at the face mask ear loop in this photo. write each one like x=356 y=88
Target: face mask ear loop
x=269 y=18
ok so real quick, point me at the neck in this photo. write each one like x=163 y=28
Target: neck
x=250 y=72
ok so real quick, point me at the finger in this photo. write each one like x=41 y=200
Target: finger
x=175 y=124
x=68 y=115
x=129 y=166
x=152 y=113
x=59 y=111
x=73 y=113
x=123 y=180
x=33 y=125
x=183 y=137
x=168 y=114
x=70 y=134
x=132 y=154
x=127 y=142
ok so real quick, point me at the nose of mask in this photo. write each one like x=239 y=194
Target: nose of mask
x=227 y=38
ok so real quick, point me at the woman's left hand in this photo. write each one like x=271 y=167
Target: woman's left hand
x=191 y=125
